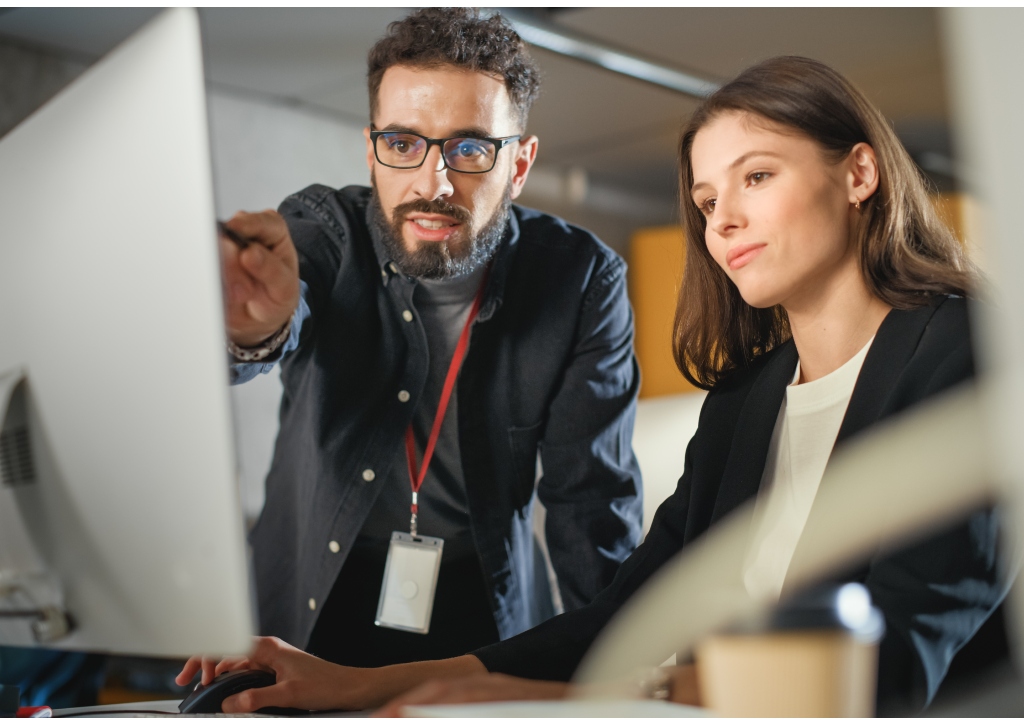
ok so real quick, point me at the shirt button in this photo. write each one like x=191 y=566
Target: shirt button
x=369 y=475
x=403 y=396
x=312 y=603
x=407 y=316
x=334 y=546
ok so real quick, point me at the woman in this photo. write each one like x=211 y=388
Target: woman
x=821 y=295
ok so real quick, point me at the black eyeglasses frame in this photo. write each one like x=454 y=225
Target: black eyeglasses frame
x=498 y=144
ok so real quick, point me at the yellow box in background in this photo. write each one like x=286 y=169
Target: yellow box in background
x=655 y=274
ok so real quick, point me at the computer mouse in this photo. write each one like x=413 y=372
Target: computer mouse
x=206 y=699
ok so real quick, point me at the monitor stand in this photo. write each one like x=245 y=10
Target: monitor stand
x=32 y=608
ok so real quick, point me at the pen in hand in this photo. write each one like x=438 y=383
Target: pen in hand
x=231 y=235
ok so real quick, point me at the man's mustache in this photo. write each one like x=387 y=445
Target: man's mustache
x=435 y=207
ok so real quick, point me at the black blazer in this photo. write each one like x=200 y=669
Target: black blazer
x=934 y=595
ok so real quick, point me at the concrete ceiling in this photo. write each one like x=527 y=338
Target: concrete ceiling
x=621 y=131
x=893 y=55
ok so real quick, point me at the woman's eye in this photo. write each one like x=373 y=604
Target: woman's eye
x=708 y=206
x=757 y=177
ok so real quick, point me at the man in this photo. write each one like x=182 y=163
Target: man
x=375 y=301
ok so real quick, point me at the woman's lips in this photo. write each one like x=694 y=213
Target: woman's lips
x=743 y=254
x=447 y=228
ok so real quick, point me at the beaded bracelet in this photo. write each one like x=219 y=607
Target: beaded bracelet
x=262 y=350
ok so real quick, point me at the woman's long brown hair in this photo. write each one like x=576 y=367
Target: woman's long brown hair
x=908 y=255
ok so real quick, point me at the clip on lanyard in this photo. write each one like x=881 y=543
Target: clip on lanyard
x=416 y=477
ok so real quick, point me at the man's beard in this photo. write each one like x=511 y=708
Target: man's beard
x=442 y=259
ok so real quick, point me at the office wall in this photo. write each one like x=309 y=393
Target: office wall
x=262 y=152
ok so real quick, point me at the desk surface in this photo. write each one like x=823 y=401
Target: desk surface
x=162 y=708
x=136 y=709
x=564 y=708
x=561 y=709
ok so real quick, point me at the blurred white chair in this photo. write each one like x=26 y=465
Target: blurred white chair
x=664 y=426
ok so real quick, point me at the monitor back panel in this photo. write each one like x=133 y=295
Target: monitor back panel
x=110 y=303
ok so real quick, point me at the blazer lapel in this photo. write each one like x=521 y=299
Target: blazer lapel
x=753 y=435
x=895 y=342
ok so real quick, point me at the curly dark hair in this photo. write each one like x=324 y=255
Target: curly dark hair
x=462 y=37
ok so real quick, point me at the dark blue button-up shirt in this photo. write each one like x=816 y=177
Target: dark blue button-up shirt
x=550 y=370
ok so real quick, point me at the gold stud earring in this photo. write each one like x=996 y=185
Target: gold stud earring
x=857 y=205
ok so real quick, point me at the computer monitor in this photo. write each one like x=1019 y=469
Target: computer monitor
x=119 y=500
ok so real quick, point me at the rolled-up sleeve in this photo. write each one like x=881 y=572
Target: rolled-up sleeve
x=240 y=372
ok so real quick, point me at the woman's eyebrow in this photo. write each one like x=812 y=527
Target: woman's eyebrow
x=738 y=161
x=753 y=153
x=696 y=187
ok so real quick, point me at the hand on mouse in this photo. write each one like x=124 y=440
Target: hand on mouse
x=309 y=683
x=211 y=667
x=303 y=681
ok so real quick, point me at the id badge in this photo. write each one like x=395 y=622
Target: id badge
x=410 y=579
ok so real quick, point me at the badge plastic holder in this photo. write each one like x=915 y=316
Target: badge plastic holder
x=410 y=581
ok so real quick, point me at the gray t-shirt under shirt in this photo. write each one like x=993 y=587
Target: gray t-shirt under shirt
x=443 y=307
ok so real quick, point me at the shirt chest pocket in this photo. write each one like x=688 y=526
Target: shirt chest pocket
x=523 y=443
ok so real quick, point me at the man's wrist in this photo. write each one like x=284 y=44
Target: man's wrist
x=263 y=350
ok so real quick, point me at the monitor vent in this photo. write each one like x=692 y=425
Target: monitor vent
x=16 y=467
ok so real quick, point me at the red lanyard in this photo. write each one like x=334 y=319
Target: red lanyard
x=416 y=477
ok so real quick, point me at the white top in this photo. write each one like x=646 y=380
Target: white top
x=805 y=432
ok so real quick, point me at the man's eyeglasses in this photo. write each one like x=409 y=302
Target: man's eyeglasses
x=405 y=150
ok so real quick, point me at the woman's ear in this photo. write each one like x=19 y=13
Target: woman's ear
x=862 y=173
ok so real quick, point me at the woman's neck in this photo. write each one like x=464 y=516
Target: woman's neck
x=833 y=322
